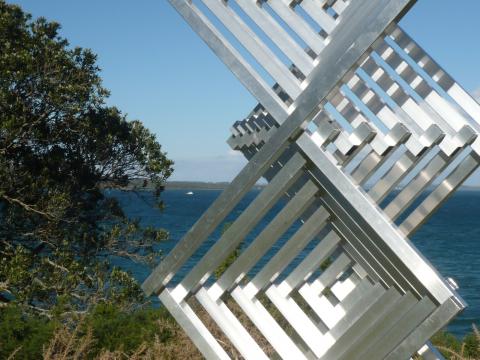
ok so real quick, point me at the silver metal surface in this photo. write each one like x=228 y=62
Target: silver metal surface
x=356 y=110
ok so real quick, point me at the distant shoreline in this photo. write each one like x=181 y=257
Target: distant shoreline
x=200 y=185
x=197 y=185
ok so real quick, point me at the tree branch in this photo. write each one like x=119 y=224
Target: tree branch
x=28 y=207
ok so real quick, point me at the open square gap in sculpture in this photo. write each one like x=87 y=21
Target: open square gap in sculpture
x=356 y=110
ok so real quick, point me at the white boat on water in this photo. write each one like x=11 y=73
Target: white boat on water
x=190 y=193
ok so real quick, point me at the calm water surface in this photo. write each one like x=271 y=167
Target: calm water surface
x=450 y=240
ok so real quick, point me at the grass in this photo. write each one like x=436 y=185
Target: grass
x=108 y=333
x=454 y=349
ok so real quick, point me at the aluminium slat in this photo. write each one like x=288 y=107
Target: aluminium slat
x=362 y=305
x=319 y=303
x=279 y=164
x=438 y=74
x=429 y=352
x=440 y=316
x=375 y=104
x=372 y=18
x=449 y=119
x=241 y=227
x=288 y=252
x=321 y=251
x=254 y=45
x=395 y=334
x=348 y=146
x=328 y=276
x=441 y=194
x=272 y=331
x=263 y=242
x=300 y=322
x=361 y=267
x=193 y=327
x=374 y=69
x=347 y=109
x=373 y=333
x=339 y=6
x=312 y=261
x=407 y=109
x=466 y=101
x=368 y=166
x=230 y=325
x=314 y=9
x=340 y=287
x=358 y=329
x=244 y=72
x=355 y=117
x=278 y=35
x=383 y=265
x=419 y=184
x=352 y=114
x=369 y=253
x=331 y=315
x=364 y=286
x=389 y=115
x=418 y=55
x=298 y=25
x=393 y=177
x=367 y=218
x=323 y=307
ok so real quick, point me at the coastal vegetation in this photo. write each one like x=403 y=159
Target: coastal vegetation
x=60 y=147
x=109 y=332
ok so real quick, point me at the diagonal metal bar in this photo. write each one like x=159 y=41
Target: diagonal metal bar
x=360 y=111
x=372 y=18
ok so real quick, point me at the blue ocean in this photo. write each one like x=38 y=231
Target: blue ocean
x=450 y=240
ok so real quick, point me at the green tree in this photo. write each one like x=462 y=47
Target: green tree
x=60 y=147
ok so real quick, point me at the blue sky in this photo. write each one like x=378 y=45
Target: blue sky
x=160 y=72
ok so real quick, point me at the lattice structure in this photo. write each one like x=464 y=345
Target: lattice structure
x=356 y=110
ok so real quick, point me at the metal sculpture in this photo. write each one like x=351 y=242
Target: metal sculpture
x=356 y=111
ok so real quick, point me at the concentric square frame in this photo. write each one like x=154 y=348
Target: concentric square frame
x=359 y=122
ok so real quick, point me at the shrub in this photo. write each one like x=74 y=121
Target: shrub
x=114 y=329
x=24 y=333
x=454 y=349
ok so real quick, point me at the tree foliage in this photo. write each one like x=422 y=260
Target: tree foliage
x=60 y=146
